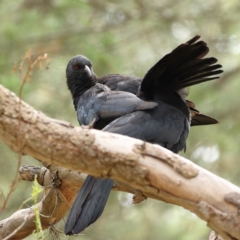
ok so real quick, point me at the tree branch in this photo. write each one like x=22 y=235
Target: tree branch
x=60 y=189
x=157 y=172
x=58 y=195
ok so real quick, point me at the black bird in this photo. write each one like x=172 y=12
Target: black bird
x=166 y=123
x=95 y=104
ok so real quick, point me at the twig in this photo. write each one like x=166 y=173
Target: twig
x=24 y=77
x=17 y=229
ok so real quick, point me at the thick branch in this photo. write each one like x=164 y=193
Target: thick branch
x=155 y=171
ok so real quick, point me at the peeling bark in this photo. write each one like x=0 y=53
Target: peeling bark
x=157 y=172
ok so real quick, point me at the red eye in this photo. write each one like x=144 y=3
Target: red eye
x=76 y=67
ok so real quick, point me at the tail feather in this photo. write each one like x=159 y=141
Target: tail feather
x=78 y=203
x=88 y=205
x=108 y=184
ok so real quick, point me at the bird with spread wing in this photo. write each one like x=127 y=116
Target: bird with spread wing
x=152 y=109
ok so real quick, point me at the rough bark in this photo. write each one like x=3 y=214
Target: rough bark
x=157 y=172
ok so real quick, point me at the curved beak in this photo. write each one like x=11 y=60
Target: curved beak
x=88 y=71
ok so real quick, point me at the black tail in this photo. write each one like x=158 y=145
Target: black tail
x=89 y=204
x=181 y=68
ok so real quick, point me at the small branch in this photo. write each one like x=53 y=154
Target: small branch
x=60 y=189
x=24 y=77
x=157 y=172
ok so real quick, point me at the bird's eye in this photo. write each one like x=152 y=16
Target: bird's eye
x=76 y=67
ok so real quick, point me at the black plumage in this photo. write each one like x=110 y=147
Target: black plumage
x=164 y=121
x=118 y=82
x=89 y=204
x=96 y=102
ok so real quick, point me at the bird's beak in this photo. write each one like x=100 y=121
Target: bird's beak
x=88 y=71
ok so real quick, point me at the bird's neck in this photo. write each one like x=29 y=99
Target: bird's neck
x=79 y=89
x=174 y=99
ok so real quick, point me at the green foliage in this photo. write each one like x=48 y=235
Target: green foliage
x=36 y=190
x=126 y=37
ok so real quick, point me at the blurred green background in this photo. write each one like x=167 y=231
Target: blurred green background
x=126 y=37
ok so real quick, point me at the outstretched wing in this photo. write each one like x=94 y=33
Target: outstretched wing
x=181 y=68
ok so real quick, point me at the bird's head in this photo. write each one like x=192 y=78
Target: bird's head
x=79 y=74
